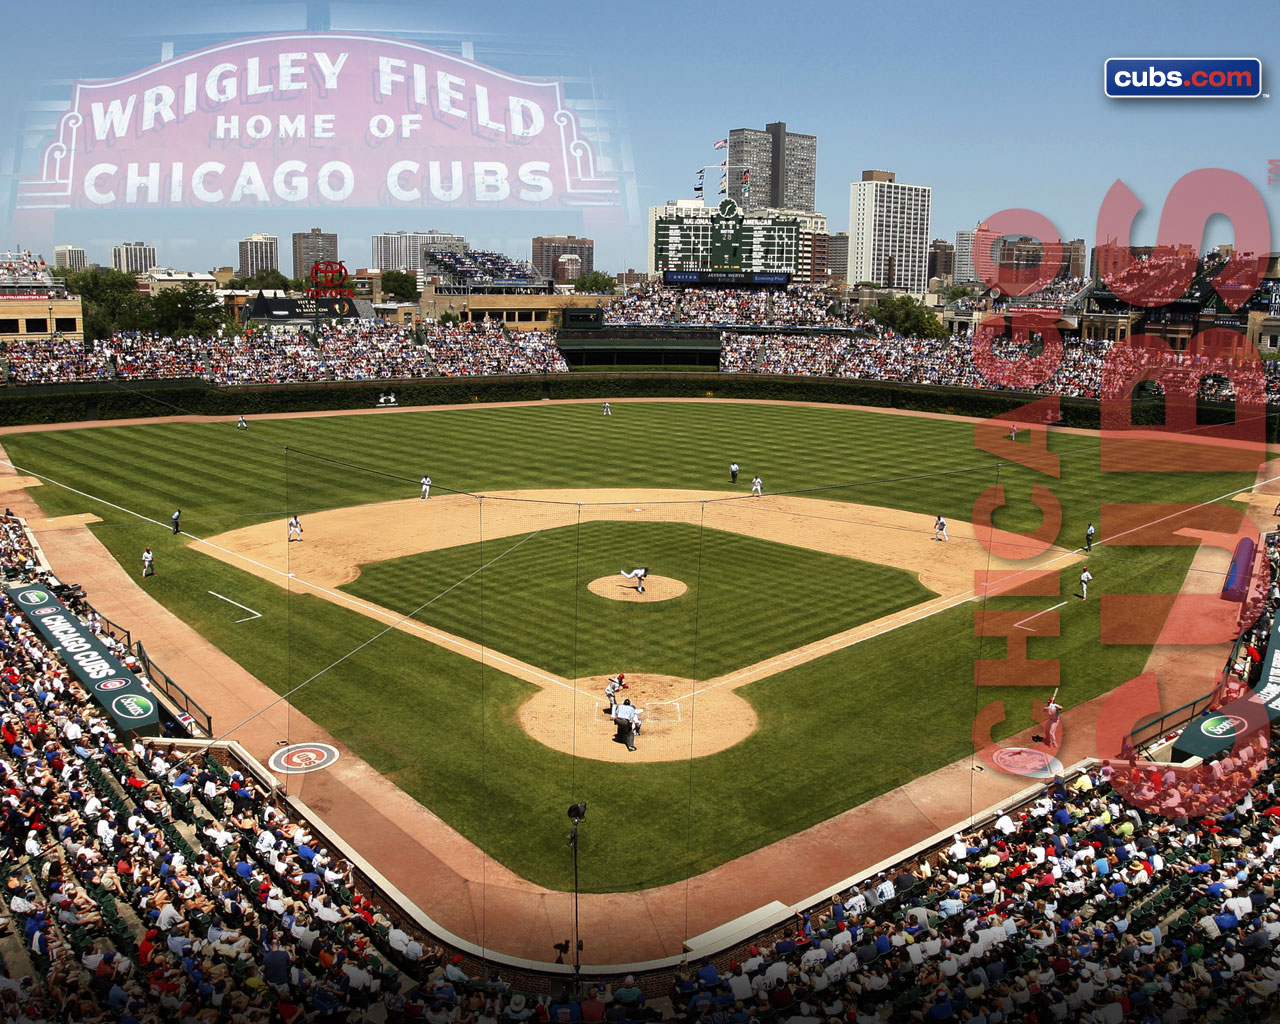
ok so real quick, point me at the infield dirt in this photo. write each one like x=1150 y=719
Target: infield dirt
x=684 y=717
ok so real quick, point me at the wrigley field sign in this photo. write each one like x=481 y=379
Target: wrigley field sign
x=318 y=119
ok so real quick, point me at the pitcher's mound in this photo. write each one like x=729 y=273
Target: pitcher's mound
x=618 y=588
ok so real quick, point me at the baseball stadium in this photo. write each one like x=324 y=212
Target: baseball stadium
x=816 y=626
x=919 y=629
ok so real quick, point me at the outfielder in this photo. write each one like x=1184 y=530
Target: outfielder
x=608 y=409
x=1085 y=577
x=295 y=527
x=757 y=486
x=940 y=529
x=615 y=684
x=242 y=424
x=426 y=487
x=636 y=574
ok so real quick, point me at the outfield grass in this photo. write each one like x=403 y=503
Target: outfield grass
x=747 y=600
x=834 y=732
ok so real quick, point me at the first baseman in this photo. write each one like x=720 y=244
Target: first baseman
x=940 y=529
x=295 y=527
x=1085 y=577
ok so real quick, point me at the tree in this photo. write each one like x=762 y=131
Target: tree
x=907 y=317
x=595 y=283
x=268 y=279
x=399 y=285
x=110 y=301
x=957 y=292
x=190 y=309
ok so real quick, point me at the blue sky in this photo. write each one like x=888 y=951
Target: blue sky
x=994 y=105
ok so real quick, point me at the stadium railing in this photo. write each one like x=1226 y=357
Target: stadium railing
x=174 y=693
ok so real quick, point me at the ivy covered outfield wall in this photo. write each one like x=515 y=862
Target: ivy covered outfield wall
x=107 y=401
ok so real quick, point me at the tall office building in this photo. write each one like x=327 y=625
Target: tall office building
x=133 y=257
x=964 y=270
x=547 y=250
x=889 y=232
x=311 y=247
x=838 y=257
x=781 y=168
x=402 y=250
x=942 y=259
x=258 y=252
x=70 y=256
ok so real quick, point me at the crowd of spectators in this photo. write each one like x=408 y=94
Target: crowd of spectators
x=801 y=355
x=351 y=350
x=1055 y=295
x=661 y=304
x=478 y=266
x=20 y=267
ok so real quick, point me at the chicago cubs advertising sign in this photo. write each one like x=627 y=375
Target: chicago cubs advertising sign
x=318 y=119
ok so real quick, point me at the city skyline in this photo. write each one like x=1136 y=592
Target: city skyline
x=955 y=124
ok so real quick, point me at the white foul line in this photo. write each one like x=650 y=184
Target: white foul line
x=251 y=617
x=1037 y=615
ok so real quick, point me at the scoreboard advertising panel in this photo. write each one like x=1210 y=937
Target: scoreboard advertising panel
x=314 y=120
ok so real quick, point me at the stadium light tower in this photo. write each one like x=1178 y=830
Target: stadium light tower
x=576 y=813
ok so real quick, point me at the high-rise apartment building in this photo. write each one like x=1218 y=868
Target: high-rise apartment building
x=964 y=269
x=258 y=252
x=402 y=250
x=133 y=257
x=889 y=232
x=547 y=250
x=942 y=259
x=772 y=169
x=311 y=247
x=70 y=256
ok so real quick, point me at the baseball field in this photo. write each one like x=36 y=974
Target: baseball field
x=797 y=655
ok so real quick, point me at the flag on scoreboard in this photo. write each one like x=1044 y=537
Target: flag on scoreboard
x=720 y=144
x=746 y=177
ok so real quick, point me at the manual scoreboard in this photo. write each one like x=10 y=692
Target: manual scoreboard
x=723 y=239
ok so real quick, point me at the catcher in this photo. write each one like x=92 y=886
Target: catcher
x=616 y=684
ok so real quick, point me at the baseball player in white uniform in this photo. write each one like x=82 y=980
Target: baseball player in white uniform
x=242 y=424
x=1053 y=725
x=148 y=563
x=295 y=527
x=757 y=486
x=426 y=487
x=608 y=409
x=612 y=688
x=1085 y=578
x=940 y=529
x=636 y=574
x=1013 y=432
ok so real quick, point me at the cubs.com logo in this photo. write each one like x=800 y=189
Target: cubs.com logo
x=111 y=684
x=44 y=611
x=132 y=706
